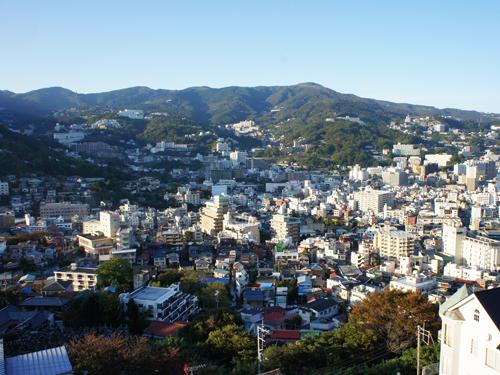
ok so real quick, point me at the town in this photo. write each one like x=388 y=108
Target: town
x=228 y=257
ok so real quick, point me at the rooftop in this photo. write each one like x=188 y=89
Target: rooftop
x=152 y=293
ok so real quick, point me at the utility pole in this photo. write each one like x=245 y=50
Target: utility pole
x=426 y=337
x=261 y=342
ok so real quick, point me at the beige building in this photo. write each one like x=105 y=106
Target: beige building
x=374 y=200
x=212 y=215
x=82 y=278
x=393 y=244
x=284 y=226
x=95 y=244
x=65 y=209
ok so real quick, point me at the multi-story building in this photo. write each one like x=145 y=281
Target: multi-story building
x=82 y=278
x=243 y=228
x=109 y=223
x=65 y=209
x=284 y=226
x=4 y=188
x=393 y=244
x=374 y=200
x=470 y=333
x=212 y=215
x=95 y=244
x=395 y=177
x=453 y=235
x=482 y=250
x=414 y=284
x=166 y=304
x=7 y=219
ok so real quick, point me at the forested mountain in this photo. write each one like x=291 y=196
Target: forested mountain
x=210 y=106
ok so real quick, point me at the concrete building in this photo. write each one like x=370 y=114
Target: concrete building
x=82 y=278
x=393 y=244
x=284 y=226
x=453 y=234
x=395 y=177
x=470 y=333
x=4 y=188
x=414 y=283
x=212 y=215
x=109 y=223
x=65 y=209
x=482 y=250
x=133 y=114
x=374 y=200
x=165 y=304
x=405 y=150
x=243 y=228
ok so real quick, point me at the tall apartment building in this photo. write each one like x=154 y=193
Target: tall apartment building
x=395 y=177
x=453 y=234
x=82 y=278
x=284 y=226
x=65 y=209
x=243 y=228
x=374 y=200
x=470 y=333
x=166 y=304
x=393 y=244
x=109 y=223
x=482 y=250
x=4 y=188
x=212 y=215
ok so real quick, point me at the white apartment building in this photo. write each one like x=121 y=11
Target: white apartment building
x=243 y=228
x=165 y=304
x=82 y=278
x=133 y=114
x=393 y=244
x=470 y=333
x=405 y=150
x=414 y=284
x=482 y=250
x=453 y=234
x=374 y=200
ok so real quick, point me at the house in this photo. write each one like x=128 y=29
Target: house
x=304 y=285
x=470 y=333
x=56 y=287
x=159 y=330
x=321 y=308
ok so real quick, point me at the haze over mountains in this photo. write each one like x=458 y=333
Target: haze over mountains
x=211 y=106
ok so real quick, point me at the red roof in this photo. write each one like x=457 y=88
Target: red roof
x=163 y=329
x=285 y=335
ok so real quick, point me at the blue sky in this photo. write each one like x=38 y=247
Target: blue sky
x=442 y=53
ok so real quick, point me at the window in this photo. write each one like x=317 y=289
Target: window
x=447 y=338
x=493 y=358
x=476 y=315
x=473 y=347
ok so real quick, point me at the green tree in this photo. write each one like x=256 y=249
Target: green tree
x=230 y=344
x=135 y=319
x=169 y=277
x=115 y=272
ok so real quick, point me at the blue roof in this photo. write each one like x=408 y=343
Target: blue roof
x=45 y=362
x=211 y=280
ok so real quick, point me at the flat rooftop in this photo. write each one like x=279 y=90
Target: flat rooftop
x=151 y=293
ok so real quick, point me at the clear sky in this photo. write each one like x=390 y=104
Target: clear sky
x=438 y=52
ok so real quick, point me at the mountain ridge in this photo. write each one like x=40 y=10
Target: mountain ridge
x=217 y=106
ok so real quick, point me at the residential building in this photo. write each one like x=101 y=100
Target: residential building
x=453 y=235
x=212 y=215
x=165 y=304
x=393 y=244
x=65 y=209
x=82 y=278
x=4 y=188
x=374 y=200
x=284 y=226
x=482 y=250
